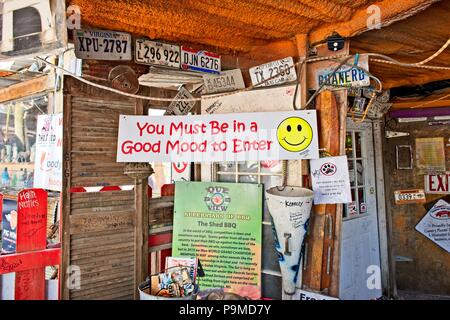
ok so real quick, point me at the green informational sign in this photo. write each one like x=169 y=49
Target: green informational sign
x=220 y=224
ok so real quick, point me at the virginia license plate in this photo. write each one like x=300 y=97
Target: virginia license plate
x=201 y=61
x=225 y=81
x=102 y=45
x=157 y=53
x=260 y=75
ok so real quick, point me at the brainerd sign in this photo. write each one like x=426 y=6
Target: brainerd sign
x=215 y=138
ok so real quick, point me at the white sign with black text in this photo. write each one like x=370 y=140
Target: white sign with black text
x=436 y=225
x=157 y=53
x=226 y=81
x=331 y=180
x=180 y=107
x=305 y=295
x=273 y=73
x=102 y=45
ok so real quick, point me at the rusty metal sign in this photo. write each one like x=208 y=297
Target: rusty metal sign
x=409 y=196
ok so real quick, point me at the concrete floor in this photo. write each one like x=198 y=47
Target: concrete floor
x=412 y=295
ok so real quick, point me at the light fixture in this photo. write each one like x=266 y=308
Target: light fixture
x=335 y=42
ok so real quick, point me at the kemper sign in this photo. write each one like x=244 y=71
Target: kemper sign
x=216 y=138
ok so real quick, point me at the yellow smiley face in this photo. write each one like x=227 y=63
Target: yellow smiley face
x=294 y=134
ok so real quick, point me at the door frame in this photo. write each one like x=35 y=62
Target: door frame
x=384 y=221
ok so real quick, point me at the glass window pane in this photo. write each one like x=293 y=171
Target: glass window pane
x=351 y=208
x=358 y=144
x=226 y=167
x=351 y=172
x=248 y=166
x=360 y=172
x=349 y=145
x=227 y=178
x=248 y=179
x=362 y=201
x=272 y=166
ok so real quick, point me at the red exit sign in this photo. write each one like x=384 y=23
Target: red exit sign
x=437 y=183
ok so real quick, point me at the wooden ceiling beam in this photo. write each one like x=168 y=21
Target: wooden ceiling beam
x=391 y=11
x=24 y=89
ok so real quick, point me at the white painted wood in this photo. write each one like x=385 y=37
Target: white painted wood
x=360 y=240
x=381 y=206
x=47 y=22
x=261 y=100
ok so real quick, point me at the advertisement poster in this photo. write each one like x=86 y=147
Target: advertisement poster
x=216 y=223
x=9 y=225
x=430 y=154
x=219 y=138
x=48 y=164
x=436 y=224
x=331 y=180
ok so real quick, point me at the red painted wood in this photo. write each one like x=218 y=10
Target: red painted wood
x=159 y=239
x=76 y=190
x=28 y=260
x=168 y=190
x=110 y=188
x=164 y=254
x=32 y=220
x=31 y=236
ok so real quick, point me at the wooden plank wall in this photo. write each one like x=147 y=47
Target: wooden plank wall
x=98 y=228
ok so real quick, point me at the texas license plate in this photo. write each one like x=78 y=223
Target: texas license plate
x=409 y=196
x=102 y=45
x=202 y=61
x=157 y=53
x=273 y=73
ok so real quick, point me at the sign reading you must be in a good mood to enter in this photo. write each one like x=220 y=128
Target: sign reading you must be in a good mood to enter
x=215 y=138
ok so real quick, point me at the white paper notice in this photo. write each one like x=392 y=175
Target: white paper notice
x=330 y=180
x=48 y=163
x=435 y=225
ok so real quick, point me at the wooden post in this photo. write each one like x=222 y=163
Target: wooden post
x=140 y=173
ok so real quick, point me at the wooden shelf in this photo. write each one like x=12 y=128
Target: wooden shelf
x=17 y=166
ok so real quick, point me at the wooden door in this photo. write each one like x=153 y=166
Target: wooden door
x=99 y=228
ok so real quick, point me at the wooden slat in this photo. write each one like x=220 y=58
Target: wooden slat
x=101 y=225
x=101 y=181
x=101 y=222
x=86 y=294
x=101 y=259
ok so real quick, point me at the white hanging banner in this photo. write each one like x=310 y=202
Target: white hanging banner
x=48 y=160
x=331 y=180
x=217 y=138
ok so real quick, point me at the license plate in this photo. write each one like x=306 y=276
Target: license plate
x=102 y=45
x=157 y=53
x=181 y=107
x=284 y=67
x=225 y=81
x=409 y=196
x=201 y=61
